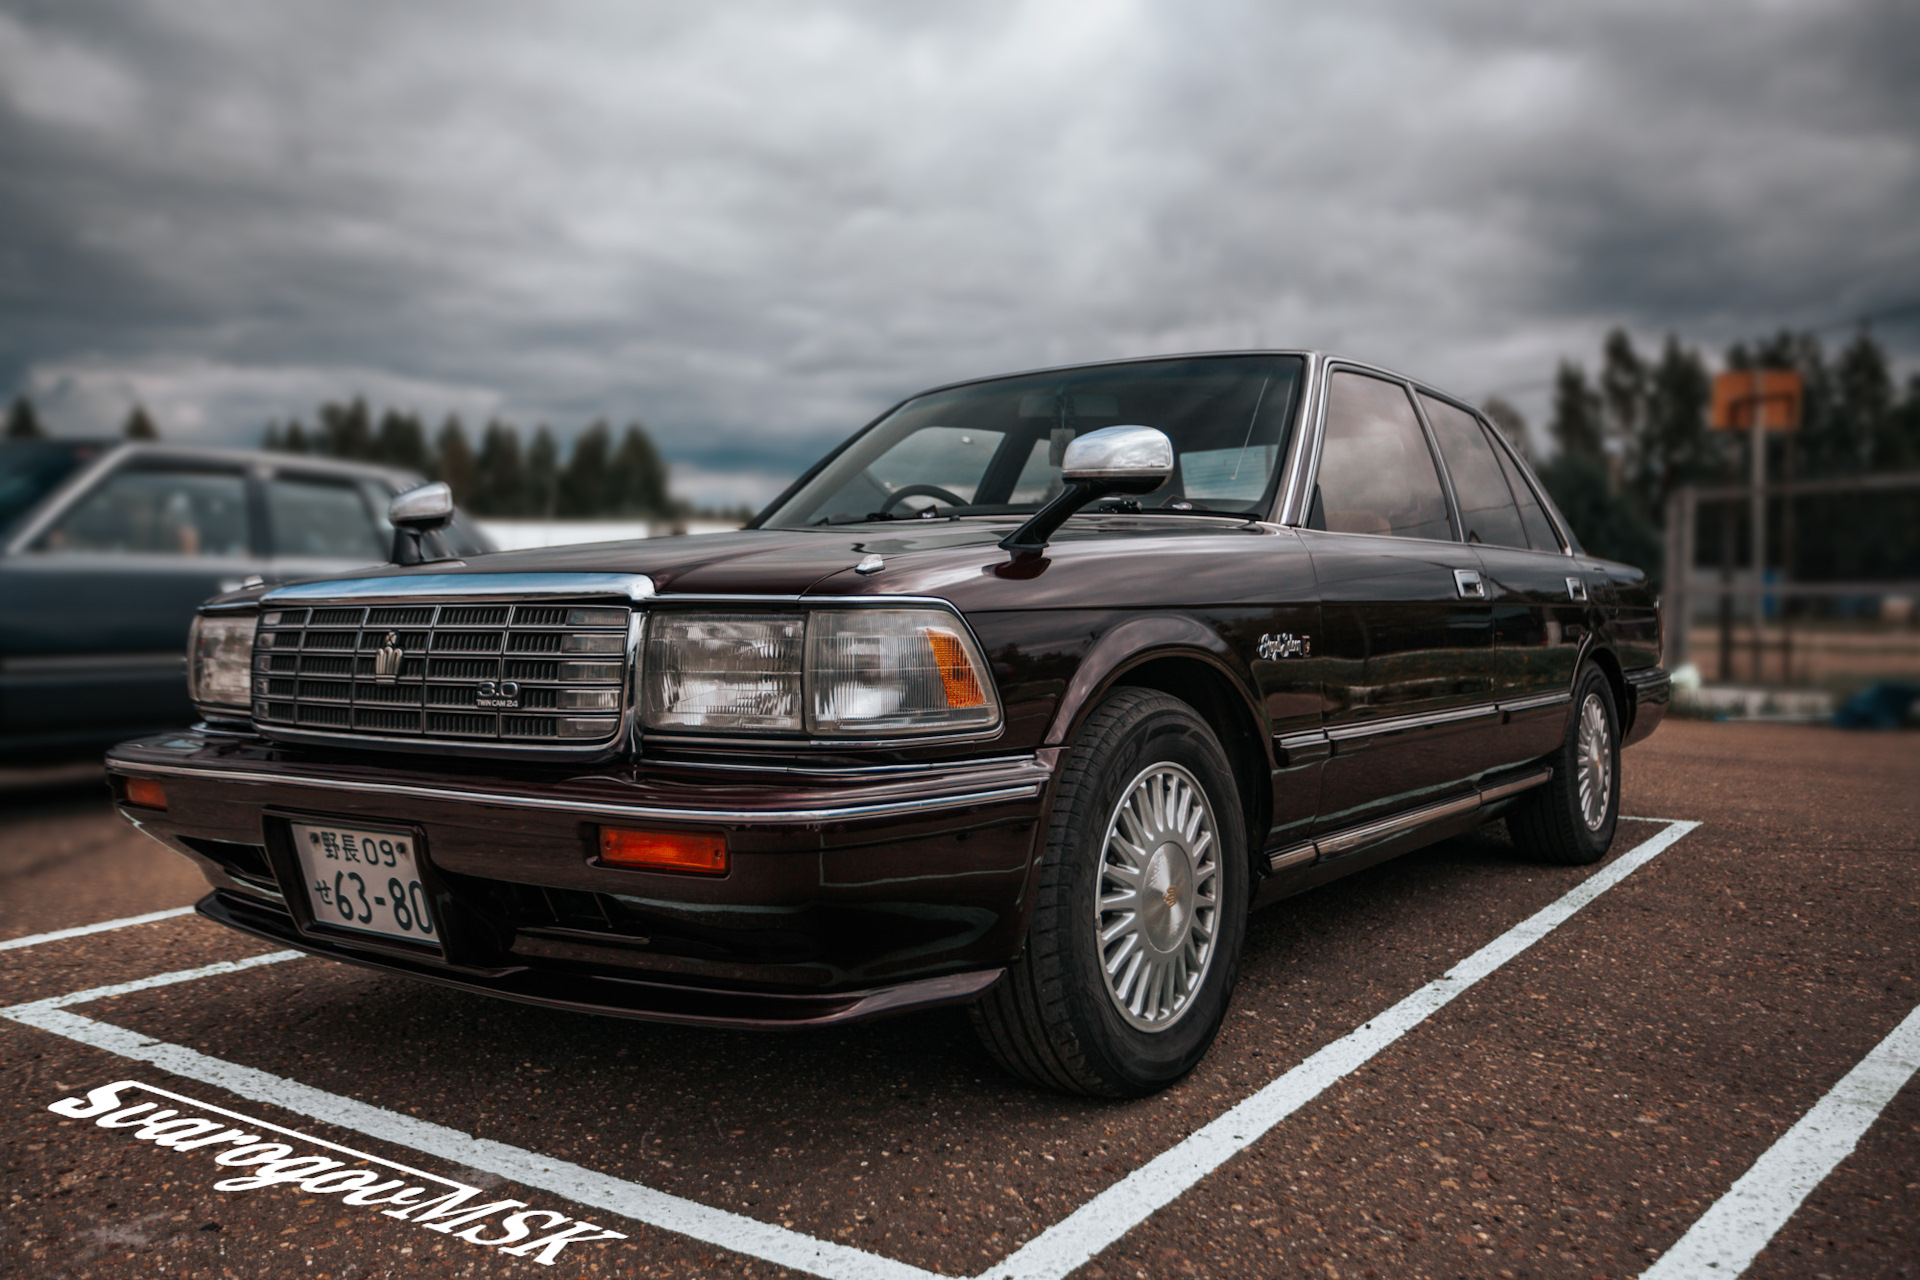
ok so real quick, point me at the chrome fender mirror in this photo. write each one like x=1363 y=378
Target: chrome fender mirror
x=1111 y=460
x=414 y=515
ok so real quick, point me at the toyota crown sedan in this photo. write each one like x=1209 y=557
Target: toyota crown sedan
x=1023 y=698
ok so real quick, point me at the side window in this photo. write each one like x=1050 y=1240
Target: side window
x=1540 y=534
x=157 y=511
x=1487 y=509
x=1376 y=472
x=323 y=518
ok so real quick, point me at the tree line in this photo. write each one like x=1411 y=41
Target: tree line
x=1629 y=435
x=601 y=477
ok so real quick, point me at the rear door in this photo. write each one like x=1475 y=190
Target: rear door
x=1406 y=633
x=96 y=607
x=1533 y=587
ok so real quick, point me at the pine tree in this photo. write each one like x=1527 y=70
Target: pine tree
x=1674 y=445
x=346 y=431
x=140 y=426
x=453 y=460
x=1863 y=403
x=22 y=422
x=543 y=475
x=1576 y=427
x=1623 y=390
x=296 y=438
x=584 y=490
x=502 y=489
x=270 y=439
x=1512 y=423
x=402 y=441
x=639 y=476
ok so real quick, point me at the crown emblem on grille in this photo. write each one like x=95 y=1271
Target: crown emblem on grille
x=386 y=661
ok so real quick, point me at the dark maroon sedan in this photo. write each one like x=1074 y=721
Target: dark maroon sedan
x=1024 y=697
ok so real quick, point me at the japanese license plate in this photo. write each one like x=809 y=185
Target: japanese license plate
x=364 y=878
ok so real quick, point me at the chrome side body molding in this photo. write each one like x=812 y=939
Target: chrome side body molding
x=1353 y=839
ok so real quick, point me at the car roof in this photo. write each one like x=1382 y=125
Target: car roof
x=129 y=450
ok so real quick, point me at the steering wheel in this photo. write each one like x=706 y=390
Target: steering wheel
x=921 y=491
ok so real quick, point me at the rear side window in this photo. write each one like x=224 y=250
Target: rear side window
x=157 y=511
x=1376 y=471
x=1540 y=534
x=327 y=519
x=1487 y=510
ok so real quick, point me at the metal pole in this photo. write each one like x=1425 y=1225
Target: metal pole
x=1674 y=595
x=1758 y=436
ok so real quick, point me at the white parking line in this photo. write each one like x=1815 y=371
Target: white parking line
x=1077 y=1238
x=82 y=930
x=1729 y=1236
x=1051 y=1255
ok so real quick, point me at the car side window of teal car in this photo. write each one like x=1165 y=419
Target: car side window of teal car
x=314 y=516
x=167 y=511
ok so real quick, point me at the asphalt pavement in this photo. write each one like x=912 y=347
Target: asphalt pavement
x=1457 y=1064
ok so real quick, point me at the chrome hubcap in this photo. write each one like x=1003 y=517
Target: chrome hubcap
x=1158 y=900
x=1594 y=762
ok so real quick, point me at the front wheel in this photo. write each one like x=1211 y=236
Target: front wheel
x=1134 y=943
x=1571 y=819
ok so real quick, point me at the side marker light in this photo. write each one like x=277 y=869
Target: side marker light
x=702 y=853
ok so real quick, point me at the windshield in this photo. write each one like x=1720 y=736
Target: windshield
x=994 y=448
x=32 y=469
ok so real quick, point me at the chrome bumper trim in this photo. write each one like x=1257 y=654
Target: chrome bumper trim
x=652 y=813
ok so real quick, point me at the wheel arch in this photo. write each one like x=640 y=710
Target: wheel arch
x=1604 y=658
x=1184 y=659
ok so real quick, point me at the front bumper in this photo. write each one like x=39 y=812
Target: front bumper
x=851 y=893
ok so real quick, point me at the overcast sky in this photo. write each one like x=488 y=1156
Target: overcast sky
x=753 y=226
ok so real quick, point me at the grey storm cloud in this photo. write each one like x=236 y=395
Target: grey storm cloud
x=755 y=225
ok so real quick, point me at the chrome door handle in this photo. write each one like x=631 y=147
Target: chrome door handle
x=1468 y=584
x=1577 y=589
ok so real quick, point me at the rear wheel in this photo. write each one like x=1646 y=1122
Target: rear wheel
x=1571 y=820
x=1134 y=943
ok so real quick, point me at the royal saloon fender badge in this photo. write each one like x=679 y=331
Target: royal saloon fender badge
x=1286 y=645
x=386 y=660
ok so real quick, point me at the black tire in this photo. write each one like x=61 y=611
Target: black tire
x=1054 y=1019
x=1557 y=823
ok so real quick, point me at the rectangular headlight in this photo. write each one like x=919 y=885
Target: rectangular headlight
x=831 y=672
x=724 y=671
x=219 y=658
x=874 y=671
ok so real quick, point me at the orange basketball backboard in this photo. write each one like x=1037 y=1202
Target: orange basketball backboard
x=1779 y=403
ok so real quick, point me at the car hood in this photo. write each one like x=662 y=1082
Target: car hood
x=1097 y=560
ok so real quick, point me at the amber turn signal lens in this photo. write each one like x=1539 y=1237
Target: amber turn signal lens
x=956 y=671
x=146 y=793
x=664 y=851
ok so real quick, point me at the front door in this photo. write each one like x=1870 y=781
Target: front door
x=96 y=610
x=1404 y=618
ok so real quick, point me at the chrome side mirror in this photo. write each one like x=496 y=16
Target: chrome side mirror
x=1110 y=460
x=1120 y=459
x=416 y=514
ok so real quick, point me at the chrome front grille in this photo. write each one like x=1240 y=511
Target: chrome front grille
x=511 y=674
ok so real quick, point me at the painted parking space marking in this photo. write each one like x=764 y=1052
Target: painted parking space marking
x=1081 y=1235
x=1726 y=1239
x=82 y=930
x=631 y=1200
x=1051 y=1255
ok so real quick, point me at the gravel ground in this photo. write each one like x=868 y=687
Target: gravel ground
x=1571 y=1115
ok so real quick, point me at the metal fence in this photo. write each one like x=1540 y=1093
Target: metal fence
x=1838 y=576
